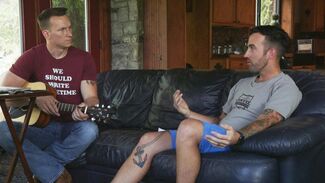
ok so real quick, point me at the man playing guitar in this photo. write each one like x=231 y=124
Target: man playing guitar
x=71 y=72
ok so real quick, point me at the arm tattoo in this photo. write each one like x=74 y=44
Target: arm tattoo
x=268 y=118
x=267 y=111
x=140 y=155
x=91 y=82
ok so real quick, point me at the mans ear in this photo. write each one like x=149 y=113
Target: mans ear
x=272 y=53
x=45 y=33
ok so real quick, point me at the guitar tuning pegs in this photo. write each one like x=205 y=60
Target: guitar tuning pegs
x=97 y=105
x=92 y=119
x=108 y=107
x=103 y=106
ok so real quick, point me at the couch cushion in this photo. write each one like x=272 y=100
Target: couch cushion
x=219 y=167
x=113 y=147
x=130 y=91
x=203 y=91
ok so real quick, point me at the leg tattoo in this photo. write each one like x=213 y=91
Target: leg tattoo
x=140 y=154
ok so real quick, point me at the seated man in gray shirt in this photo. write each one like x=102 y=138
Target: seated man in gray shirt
x=253 y=104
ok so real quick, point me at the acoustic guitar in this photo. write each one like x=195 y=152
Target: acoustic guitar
x=41 y=119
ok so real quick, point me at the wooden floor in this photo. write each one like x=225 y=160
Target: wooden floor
x=19 y=176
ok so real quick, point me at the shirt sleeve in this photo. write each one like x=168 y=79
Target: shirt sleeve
x=24 y=66
x=284 y=99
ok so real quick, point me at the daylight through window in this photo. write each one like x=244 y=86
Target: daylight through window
x=268 y=11
x=10 y=33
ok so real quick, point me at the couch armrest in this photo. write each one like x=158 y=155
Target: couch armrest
x=291 y=136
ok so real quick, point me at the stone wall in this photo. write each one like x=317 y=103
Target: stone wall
x=127 y=34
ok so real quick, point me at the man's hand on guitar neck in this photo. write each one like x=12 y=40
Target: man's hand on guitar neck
x=48 y=104
x=78 y=115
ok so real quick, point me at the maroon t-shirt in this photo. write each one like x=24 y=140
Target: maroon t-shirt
x=64 y=75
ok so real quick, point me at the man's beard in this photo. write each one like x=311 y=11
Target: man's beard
x=257 y=69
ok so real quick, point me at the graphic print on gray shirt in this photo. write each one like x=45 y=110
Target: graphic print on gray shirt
x=248 y=99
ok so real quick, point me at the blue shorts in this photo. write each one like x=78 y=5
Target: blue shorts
x=204 y=146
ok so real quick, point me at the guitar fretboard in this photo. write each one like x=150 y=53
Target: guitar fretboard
x=63 y=107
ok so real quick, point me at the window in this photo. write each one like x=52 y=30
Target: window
x=78 y=16
x=10 y=33
x=268 y=12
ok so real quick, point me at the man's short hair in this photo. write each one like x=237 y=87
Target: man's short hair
x=43 y=19
x=274 y=36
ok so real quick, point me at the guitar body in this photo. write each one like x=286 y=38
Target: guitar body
x=41 y=119
x=38 y=118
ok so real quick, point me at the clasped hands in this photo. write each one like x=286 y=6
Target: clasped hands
x=215 y=138
x=49 y=105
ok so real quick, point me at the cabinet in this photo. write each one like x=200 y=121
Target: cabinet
x=233 y=12
x=237 y=63
x=232 y=62
x=311 y=15
x=218 y=63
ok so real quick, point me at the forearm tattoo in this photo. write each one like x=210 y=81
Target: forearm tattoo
x=265 y=120
x=91 y=82
x=140 y=155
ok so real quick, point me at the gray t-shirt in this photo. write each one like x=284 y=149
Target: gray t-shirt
x=248 y=99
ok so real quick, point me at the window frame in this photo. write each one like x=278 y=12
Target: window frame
x=258 y=10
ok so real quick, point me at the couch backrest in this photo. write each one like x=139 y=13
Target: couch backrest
x=312 y=86
x=130 y=91
x=202 y=90
x=144 y=97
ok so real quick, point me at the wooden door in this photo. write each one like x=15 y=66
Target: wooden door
x=245 y=12
x=99 y=33
x=288 y=8
x=176 y=33
x=223 y=11
x=164 y=34
x=155 y=34
x=197 y=34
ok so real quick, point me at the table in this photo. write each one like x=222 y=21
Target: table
x=31 y=95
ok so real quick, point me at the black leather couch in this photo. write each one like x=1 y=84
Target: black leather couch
x=290 y=152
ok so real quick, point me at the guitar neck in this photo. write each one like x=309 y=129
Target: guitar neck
x=63 y=107
x=100 y=114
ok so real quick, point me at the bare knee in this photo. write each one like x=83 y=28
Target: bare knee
x=190 y=130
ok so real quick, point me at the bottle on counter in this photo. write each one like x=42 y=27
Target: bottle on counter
x=229 y=49
x=219 y=50
x=225 y=49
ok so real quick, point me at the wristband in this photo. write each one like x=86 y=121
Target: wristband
x=241 y=138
